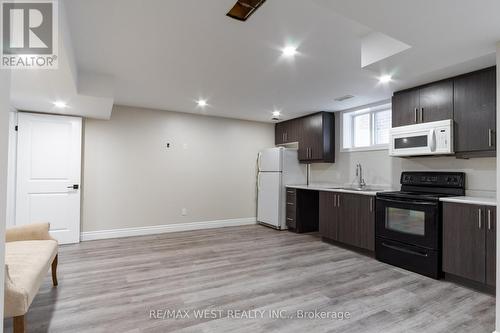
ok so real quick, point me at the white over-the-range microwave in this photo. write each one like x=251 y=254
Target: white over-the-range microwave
x=434 y=138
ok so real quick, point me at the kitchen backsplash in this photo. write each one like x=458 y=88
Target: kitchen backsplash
x=382 y=170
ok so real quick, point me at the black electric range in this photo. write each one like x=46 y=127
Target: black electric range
x=408 y=225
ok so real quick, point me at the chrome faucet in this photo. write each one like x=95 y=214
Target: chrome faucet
x=359 y=174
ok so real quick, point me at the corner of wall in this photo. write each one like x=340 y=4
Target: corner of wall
x=497 y=311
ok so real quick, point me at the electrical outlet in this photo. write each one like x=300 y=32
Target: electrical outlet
x=184 y=211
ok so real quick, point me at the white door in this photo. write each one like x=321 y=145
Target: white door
x=48 y=173
x=268 y=202
x=270 y=159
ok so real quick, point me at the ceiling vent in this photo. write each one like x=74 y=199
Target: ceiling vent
x=243 y=9
x=343 y=98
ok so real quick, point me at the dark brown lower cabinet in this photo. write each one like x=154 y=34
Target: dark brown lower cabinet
x=357 y=221
x=469 y=241
x=348 y=218
x=328 y=215
x=302 y=210
x=491 y=245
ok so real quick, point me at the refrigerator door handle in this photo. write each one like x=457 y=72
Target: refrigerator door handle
x=259 y=158
x=258 y=182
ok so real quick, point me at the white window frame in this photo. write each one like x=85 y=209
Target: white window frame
x=372 y=110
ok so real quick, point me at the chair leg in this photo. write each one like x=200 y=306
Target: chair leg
x=54 y=271
x=19 y=324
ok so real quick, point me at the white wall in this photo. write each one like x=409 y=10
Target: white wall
x=380 y=169
x=130 y=178
x=4 y=137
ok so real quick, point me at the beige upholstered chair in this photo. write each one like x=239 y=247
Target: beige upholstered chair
x=29 y=253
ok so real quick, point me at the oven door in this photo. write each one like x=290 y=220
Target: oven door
x=408 y=221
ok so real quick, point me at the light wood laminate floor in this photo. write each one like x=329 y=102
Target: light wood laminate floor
x=112 y=285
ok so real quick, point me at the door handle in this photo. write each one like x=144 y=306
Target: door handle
x=416 y=115
x=422 y=115
x=401 y=249
x=490 y=137
x=74 y=187
x=489 y=219
x=371 y=205
x=338 y=200
x=480 y=223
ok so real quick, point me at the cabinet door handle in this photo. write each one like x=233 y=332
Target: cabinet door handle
x=416 y=115
x=422 y=115
x=371 y=205
x=490 y=137
x=334 y=201
x=338 y=200
x=480 y=223
x=290 y=203
x=489 y=219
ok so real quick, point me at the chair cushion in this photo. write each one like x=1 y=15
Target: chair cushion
x=28 y=263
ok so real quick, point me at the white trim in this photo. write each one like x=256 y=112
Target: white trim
x=12 y=169
x=369 y=148
x=166 y=228
x=371 y=109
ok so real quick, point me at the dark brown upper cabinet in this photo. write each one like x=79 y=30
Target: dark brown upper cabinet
x=475 y=113
x=431 y=102
x=436 y=101
x=287 y=132
x=405 y=106
x=315 y=135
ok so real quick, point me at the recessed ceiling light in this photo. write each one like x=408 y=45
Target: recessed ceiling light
x=276 y=115
x=385 y=79
x=289 y=51
x=202 y=102
x=60 y=104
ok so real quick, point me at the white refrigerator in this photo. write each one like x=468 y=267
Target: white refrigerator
x=277 y=167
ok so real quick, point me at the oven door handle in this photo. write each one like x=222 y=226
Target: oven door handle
x=402 y=249
x=414 y=202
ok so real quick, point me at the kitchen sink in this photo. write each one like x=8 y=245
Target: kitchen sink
x=362 y=189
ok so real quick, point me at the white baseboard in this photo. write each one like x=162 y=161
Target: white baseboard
x=160 y=229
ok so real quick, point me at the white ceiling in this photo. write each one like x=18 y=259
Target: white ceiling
x=166 y=54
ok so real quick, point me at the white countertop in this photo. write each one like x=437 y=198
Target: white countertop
x=332 y=188
x=472 y=200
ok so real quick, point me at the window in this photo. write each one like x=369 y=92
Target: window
x=366 y=129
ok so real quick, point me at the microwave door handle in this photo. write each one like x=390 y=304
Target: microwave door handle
x=432 y=135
